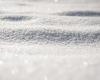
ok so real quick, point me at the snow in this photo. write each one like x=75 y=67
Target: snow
x=48 y=56
x=42 y=62
x=56 y=0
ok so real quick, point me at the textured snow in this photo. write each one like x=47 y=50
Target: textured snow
x=49 y=40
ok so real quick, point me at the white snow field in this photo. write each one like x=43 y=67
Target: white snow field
x=49 y=40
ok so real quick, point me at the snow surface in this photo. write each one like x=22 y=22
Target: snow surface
x=49 y=40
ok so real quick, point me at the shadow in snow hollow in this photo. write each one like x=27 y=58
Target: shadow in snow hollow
x=80 y=13
x=49 y=36
x=16 y=18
